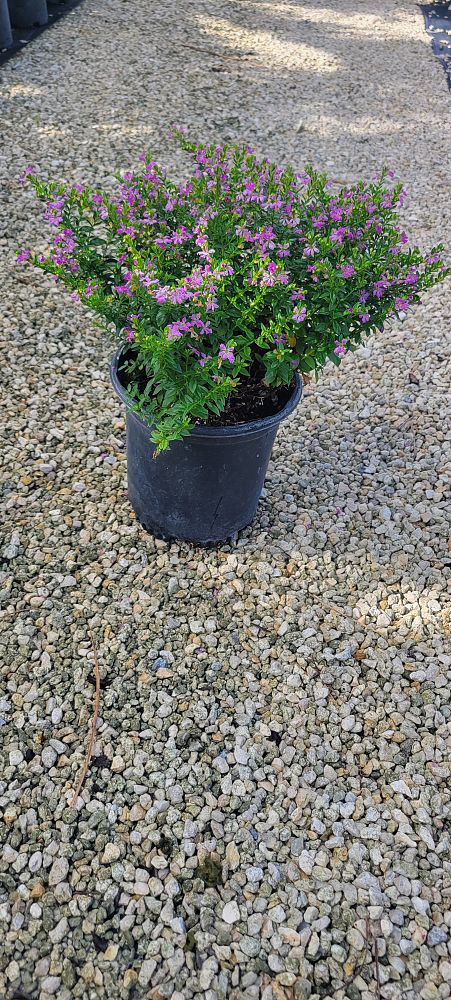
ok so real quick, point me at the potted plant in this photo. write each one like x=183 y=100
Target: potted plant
x=225 y=292
x=28 y=13
x=6 y=38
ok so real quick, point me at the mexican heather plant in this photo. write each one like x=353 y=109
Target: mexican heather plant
x=245 y=269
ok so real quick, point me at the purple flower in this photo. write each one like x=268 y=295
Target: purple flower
x=380 y=287
x=53 y=211
x=319 y=220
x=178 y=295
x=177 y=329
x=338 y=234
x=412 y=276
x=226 y=353
x=336 y=213
x=340 y=347
x=364 y=317
x=299 y=314
x=23 y=255
x=203 y=358
x=347 y=270
x=26 y=173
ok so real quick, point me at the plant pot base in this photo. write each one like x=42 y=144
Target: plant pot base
x=212 y=543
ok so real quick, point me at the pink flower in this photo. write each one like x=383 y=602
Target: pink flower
x=340 y=347
x=23 y=255
x=338 y=234
x=299 y=314
x=336 y=213
x=28 y=170
x=226 y=353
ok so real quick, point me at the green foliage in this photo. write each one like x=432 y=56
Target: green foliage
x=245 y=265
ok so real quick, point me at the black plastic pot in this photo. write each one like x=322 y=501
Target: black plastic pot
x=28 y=13
x=206 y=487
x=6 y=38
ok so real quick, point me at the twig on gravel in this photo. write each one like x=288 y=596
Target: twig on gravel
x=211 y=52
x=376 y=963
x=92 y=734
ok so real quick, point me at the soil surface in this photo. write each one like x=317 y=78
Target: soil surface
x=252 y=400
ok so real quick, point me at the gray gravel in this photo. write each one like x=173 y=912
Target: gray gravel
x=270 y=782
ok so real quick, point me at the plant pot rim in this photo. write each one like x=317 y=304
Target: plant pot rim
x=249 y=428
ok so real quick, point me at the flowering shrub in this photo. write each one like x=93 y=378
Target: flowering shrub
x=244 y=267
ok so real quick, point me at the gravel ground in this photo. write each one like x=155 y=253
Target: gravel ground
x=267 y=812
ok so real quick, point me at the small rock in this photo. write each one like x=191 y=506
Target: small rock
x=254 y=874
x=420 y=905
x=59 y=932
x=58 y=871
x=146 y=971
x=305 y=863
x=437 y=936
x=50 y=984
x=313 y=945
x=355 y=939
x=159 y=861
x=401 y=788
x=130 y=978
x=111 y=852
x=232 y=856
x=231 y=912
x=35 y=861
x=49 y=756
x=445 y=971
